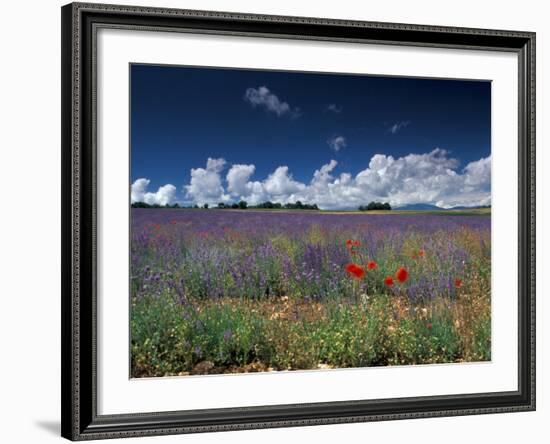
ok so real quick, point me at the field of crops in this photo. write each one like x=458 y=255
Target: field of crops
x=223 y=291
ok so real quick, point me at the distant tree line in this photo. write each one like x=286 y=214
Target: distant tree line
x=241 y=205
x=375 y=206
x=146 y=205
x=176 y=205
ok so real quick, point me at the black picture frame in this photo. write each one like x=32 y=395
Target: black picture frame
x=80 y=420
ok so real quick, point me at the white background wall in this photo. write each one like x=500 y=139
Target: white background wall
x=30 y=220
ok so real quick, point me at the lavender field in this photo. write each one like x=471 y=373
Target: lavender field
x=226 y=291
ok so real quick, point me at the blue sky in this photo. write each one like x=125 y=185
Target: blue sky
x=267 y=133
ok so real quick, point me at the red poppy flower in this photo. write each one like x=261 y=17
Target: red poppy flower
x=429 y=325
x=458 y=282
x=402 y=274
x=173 y=222
x=355 y=270
x=388 y=281
x=371 y=265
x=421 y=253
x=350 y=243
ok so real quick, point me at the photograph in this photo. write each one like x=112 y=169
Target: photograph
x=306 y=221
x=271 y=219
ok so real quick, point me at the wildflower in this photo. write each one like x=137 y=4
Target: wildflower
x=355 y=270
x=227 y=334
x=371 y=265
x=458 y=282
x=429 y=325
x=350 y=243
x=402 y=274
x=421 y=253
x=388 y=281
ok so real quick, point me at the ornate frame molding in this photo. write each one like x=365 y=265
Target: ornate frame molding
x=79 y=395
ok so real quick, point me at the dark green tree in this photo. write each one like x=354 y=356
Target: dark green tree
x=375 y=206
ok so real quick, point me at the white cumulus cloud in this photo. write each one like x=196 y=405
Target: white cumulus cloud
x=238 y=177
x=264 y=98
x=165 y=195
x=398 y=126
x=206 y=183
x=478 y=173
x=280 y=183
x=334 y=108
x=434 y=177
x=279 y=186
x=336 y=143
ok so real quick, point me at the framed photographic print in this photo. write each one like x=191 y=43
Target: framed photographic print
x=280 y=221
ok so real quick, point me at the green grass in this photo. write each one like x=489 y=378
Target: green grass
x=286 y=334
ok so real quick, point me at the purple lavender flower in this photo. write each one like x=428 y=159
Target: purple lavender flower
x=198 y=350
x=227 y=335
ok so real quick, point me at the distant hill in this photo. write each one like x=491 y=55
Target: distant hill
x=470 y=208
x=430 y=207
x=420 y=207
